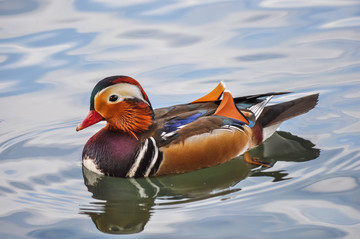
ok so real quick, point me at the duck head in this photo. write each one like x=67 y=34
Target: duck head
x=123 y=103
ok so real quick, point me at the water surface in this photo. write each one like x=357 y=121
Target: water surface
x=53 y=52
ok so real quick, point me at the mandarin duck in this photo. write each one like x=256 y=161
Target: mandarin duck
x=139 y=141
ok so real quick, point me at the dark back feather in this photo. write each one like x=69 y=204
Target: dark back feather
x=275 y=114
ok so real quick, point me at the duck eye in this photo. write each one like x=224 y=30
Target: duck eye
x=113 y=98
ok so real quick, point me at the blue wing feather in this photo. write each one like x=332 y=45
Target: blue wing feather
x=177 y=122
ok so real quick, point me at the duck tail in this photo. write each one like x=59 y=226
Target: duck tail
x=272 y=116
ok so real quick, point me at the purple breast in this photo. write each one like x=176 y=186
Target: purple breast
x=113 y=152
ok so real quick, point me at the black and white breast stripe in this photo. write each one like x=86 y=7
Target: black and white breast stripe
x=147 y=160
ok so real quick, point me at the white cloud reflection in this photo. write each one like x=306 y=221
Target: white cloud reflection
x=317 y=212
x=305 y=3
x=337 y=184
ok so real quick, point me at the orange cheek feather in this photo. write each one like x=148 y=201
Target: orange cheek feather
x=128 y=117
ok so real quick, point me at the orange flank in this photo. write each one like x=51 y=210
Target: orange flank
x=204 y=150
x=227 y=108
x=214 y=95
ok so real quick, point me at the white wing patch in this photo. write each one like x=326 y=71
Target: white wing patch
x=258 y=108
x=165 y=135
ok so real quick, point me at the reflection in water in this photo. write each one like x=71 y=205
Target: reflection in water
x=124 y=206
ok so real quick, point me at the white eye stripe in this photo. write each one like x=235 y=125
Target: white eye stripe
x=123 y=91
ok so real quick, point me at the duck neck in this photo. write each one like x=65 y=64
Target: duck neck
x=132 y=120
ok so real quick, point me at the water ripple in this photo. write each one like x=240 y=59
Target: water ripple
x=14 y=7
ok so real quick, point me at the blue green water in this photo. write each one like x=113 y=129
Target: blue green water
x=53 y=52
